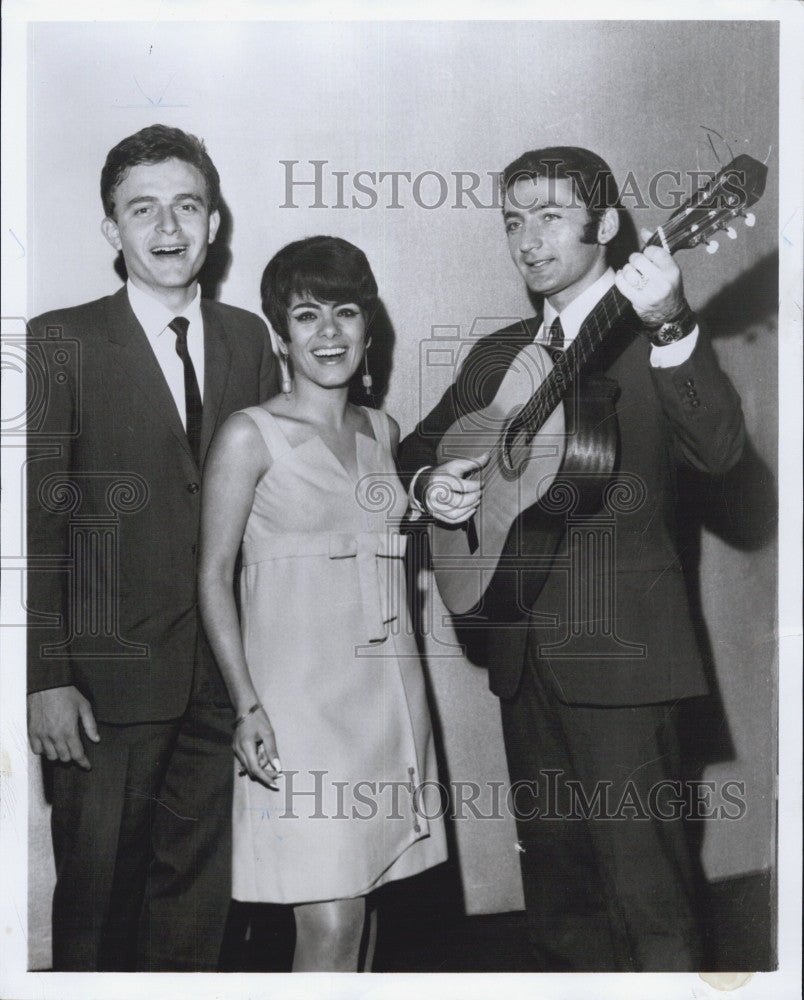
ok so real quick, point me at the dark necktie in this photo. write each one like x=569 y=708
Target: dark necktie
x=192 y=394
x=556 y=335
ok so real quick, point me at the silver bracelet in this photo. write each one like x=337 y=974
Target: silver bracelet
x=242 y=718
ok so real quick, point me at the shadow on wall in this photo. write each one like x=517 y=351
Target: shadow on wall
x=740 y=507
x=752 y=298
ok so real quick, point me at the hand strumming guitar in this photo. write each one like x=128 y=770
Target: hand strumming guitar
x=448 y=492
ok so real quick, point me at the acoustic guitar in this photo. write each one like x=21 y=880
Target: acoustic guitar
x=550 y=426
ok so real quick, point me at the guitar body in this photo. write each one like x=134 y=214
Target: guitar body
x=497 y=563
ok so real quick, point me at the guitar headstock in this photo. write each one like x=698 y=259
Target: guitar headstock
x=738 y=186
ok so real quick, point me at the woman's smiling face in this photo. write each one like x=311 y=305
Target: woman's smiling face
x=326 y=340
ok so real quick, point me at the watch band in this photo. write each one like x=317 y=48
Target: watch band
x=680 y=325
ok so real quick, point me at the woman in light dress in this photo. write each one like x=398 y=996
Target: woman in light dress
x=332 y=731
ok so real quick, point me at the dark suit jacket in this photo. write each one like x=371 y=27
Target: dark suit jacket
x=690 y=413
x=114 y=502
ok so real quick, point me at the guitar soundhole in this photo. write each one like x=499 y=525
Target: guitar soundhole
x=514 y=450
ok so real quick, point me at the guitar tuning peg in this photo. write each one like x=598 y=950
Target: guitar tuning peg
x=750 y=220
x=712 y=246
x=731 y=232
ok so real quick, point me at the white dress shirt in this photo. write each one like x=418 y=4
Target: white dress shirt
x=154 y=318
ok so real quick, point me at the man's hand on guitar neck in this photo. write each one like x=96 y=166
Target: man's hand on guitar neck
x=447 y=492
x=651 y=281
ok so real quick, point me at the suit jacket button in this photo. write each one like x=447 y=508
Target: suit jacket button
x=695 y=402
x=689 y=383
x=193 y=487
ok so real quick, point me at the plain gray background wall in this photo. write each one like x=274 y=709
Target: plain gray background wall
x=447 y=98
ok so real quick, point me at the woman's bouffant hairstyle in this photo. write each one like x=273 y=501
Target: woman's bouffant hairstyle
x=326 y=268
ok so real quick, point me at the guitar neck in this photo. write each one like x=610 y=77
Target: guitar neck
x=570 y=363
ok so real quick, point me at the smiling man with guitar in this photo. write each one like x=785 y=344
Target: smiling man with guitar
x=568 y=562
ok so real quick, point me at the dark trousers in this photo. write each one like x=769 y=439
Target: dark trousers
x=142 y=843
x=608 y=882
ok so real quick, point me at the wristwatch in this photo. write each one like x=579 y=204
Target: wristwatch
x=680 y=325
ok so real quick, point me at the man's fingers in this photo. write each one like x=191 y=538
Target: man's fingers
x=75 y=750
x=656 y=256
x=457 y=513
x=468 y=487
x=458 y=516
x=464 y=466
x=88 y=722
x=442 y=497
x=49 y=749
x=465 y=490
x=654 y=261
x=639 y=271
x=452 y=492
x=63 y=751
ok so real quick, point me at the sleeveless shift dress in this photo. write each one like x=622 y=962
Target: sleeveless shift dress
x=332 y=655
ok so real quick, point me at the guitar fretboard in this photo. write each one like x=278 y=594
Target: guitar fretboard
x=569 y=364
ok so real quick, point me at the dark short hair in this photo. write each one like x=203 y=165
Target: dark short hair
x=325 y=267
x=155 y=144
x=591 y=177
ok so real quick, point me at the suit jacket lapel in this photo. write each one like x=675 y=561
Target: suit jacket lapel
x=133 y=353
x=217 y=362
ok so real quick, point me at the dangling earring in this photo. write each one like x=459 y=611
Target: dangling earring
x=367 y=380
x=286 y=382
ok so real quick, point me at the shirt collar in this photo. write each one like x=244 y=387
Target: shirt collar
x=573 y=315
x=154 y=317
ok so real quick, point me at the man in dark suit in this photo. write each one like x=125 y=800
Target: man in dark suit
x=124 y=694
x=590 y=682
